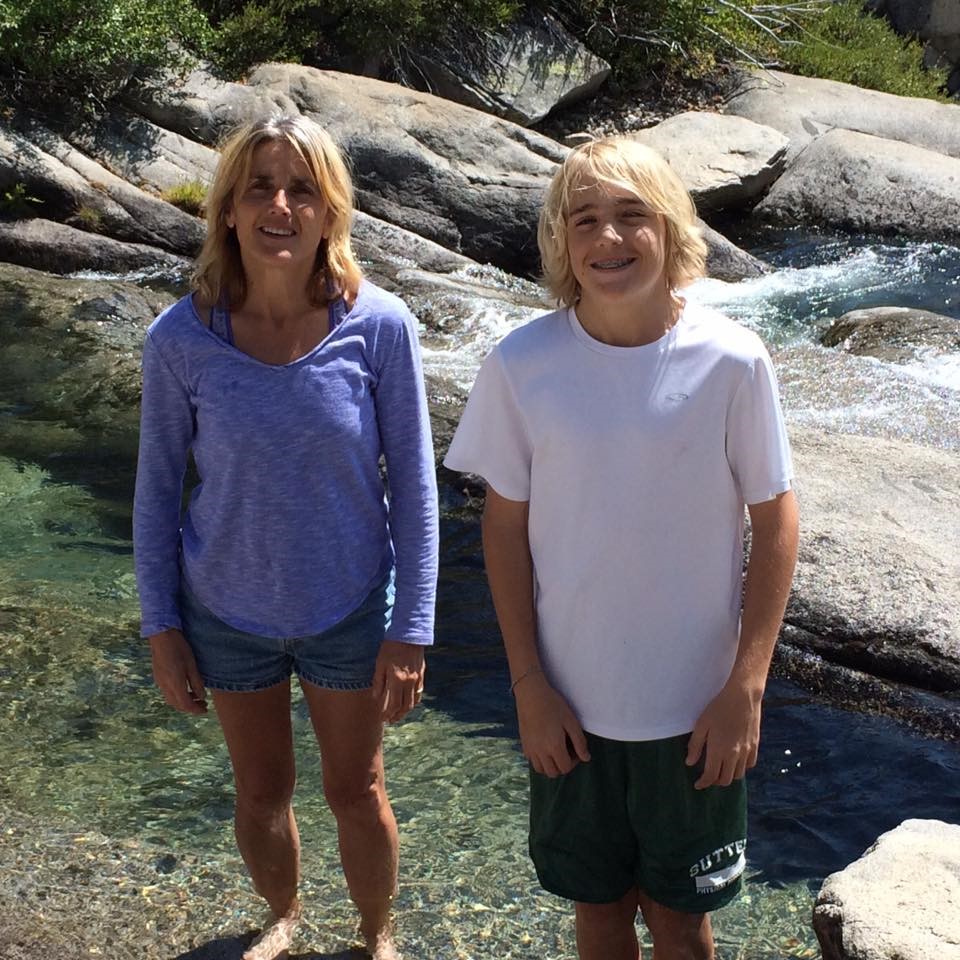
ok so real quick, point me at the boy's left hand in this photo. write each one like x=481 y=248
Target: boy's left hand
x=729 y=731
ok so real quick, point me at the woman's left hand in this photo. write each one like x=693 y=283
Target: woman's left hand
x=398 y=678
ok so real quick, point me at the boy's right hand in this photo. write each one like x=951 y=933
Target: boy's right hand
x=550 y=735
x=175 y=672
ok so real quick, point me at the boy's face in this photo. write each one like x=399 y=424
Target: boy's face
x=617 y=247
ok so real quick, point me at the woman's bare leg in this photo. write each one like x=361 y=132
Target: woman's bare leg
x=259 y=737
x=350 y=733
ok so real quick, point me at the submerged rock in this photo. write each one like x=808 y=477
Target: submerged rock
x=70 y=352
x=899 y=901
x=894 y=334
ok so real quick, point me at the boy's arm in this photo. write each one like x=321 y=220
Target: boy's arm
x=729 y=727
x=550 y=734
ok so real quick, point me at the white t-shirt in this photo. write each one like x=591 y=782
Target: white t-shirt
x=637 y=463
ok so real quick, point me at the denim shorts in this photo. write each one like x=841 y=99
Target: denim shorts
x=341 y=657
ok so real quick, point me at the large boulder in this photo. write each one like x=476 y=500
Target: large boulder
x=143 y=153
x=899 y=901
x=936 y=22
x=464 y=180
x=724 y=161
x=863 y=183
x=894 y=334
x=468 y=181
x=520 y=73
x=201 y=107
x=877 y=585
x=58 y=248
x=803 y=108
x=76 y=189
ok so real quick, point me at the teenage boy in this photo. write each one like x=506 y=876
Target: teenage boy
x=621 y=438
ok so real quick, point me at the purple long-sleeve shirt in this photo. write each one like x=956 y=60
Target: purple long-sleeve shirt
x=289 y=528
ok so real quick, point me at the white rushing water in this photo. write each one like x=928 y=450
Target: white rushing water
x=790 y=307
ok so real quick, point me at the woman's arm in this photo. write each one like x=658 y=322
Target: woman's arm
x=404 y=423
x=166 y=431
x=550 y=735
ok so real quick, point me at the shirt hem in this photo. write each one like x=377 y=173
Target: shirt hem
x=634 y=734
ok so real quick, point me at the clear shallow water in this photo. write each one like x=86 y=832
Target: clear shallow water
x=88 y=742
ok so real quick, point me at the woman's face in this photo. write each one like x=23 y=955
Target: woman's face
x=279 y=214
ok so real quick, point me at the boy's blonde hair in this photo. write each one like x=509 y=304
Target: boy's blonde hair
x=219 y=270
x=619 y=162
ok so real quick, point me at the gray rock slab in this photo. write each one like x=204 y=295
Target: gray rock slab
x=67 y=181
x=464 y=179
x=461 y=179
x=899 y=901
x=894 y=334
x=724 y=161
x=864 y=183
x=143 y=153
x=528 y=68
x=877 y=585
x=58 y=248
x=201 y=107
x=382 y=242
x=803 y=108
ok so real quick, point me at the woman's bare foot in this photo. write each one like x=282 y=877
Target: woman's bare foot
x=274 y=942
x=383 y=946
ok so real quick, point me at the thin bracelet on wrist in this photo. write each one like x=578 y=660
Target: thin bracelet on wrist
x=523 y=676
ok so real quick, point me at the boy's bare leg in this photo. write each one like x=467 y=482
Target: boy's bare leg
x=676 y=935
x=349 y=730
x=607 y=931
x=257 y=729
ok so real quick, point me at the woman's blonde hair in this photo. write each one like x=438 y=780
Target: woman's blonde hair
x=619 y=162
x=219 y=270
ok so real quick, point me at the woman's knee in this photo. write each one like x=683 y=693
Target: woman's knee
x=355 y=798
x=265 y=797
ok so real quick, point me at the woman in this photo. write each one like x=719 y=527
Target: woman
x=288 y=375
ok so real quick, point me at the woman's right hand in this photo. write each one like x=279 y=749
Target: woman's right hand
x=175 y=672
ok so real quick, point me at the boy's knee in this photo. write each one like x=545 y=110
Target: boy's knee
x=616 y=912
x=683 y=936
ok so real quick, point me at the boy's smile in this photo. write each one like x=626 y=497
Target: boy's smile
x=618 y=252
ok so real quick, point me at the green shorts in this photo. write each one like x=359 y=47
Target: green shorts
x=631 y=818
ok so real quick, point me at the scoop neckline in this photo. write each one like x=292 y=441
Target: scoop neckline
x=338 y=304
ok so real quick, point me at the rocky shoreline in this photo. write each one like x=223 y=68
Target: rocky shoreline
x=444 y=190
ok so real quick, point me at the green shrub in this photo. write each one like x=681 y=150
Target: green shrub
x=88 y=218
x=833 y=39
x=188 y=196
x=367 y=31
x=849 y=45
x=17 y=204
x=88 y=50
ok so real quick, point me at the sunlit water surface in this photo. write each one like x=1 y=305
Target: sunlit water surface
x=88 y=743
